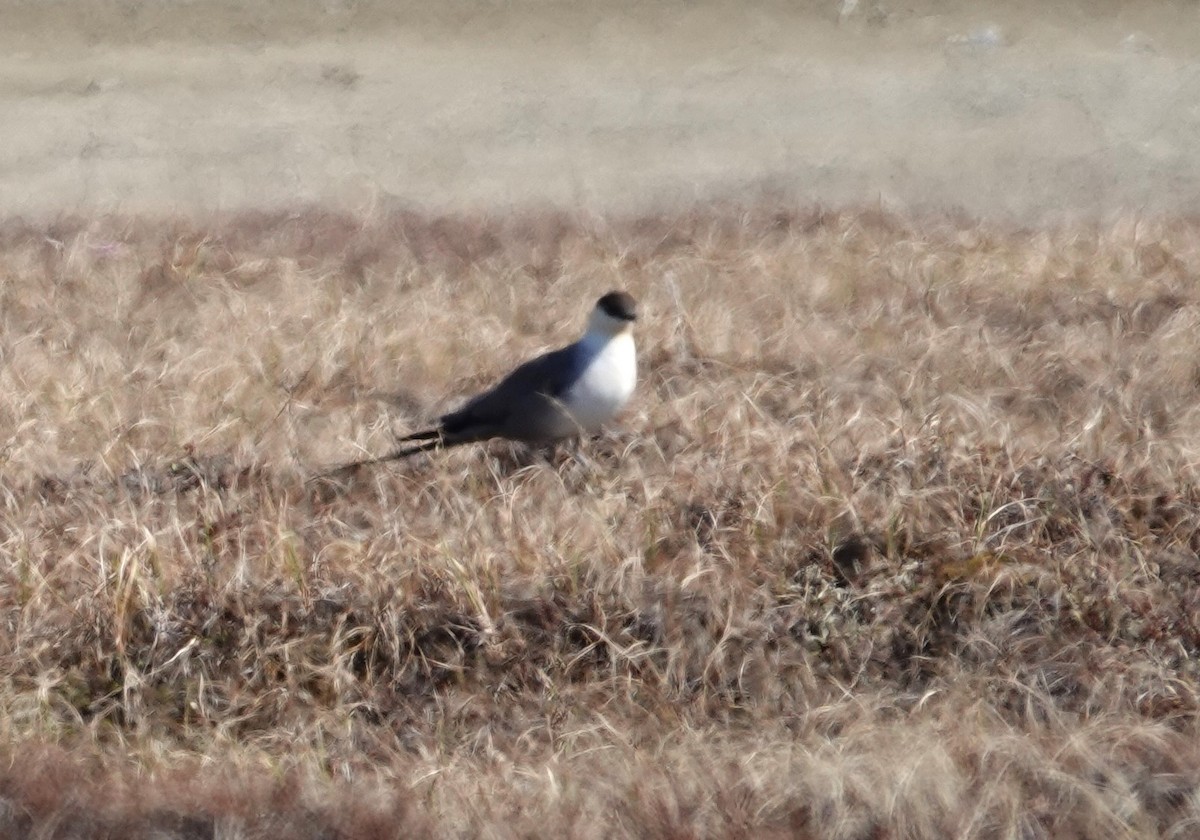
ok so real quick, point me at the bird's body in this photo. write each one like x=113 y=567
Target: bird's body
x=561 y=394
x=607 y=376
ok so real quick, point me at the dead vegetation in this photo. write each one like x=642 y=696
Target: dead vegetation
x=899 y=538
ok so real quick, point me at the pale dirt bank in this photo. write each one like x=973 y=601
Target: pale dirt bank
x=1005 y=110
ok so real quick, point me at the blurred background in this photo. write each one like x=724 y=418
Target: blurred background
x=1015 y=111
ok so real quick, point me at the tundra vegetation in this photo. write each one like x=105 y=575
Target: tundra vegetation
x=898 y=538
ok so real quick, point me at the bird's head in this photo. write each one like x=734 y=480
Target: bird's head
x=614 y=314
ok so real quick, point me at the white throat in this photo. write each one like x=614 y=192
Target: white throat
x=608 y=372
x=601 y=323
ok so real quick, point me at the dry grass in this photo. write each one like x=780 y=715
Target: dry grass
x=899 y=538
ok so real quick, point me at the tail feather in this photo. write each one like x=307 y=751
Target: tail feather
x=454 y=430
x=430 y=439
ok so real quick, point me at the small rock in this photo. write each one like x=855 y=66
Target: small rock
x=1138 y=42
x=989 y=36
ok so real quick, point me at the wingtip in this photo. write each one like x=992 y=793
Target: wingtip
x=427 y=434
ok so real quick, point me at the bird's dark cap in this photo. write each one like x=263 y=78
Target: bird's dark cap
x=619 y=305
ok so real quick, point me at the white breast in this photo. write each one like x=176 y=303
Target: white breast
x=607 y=381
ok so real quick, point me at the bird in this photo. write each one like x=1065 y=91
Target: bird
x=562 y=394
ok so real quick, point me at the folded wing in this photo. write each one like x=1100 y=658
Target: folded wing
x=513 y=407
